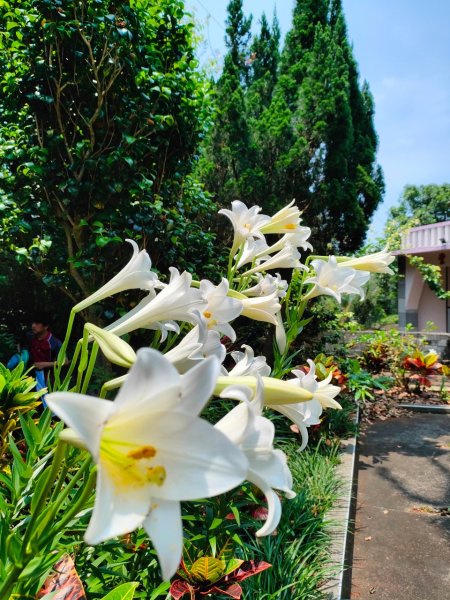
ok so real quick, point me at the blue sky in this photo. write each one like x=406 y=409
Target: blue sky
x=403 y=50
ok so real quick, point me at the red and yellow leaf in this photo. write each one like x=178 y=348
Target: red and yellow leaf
x=65 y=582
x=180 y=588
x=207 y=568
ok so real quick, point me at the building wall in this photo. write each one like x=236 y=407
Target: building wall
x=421 y=304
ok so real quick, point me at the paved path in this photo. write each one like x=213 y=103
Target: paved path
x=402 y=543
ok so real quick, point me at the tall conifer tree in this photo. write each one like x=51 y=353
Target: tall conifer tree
x=226 y=162
x=297 y=126
x=264 y=59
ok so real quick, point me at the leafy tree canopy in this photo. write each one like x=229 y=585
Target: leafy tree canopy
x=425 y=203
x=102 y=109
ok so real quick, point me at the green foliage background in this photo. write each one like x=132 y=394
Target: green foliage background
x=103 y=107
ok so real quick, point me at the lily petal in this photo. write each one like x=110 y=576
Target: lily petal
x=165 y=529
x=116 y=512
x=197 y=385
x=165 y=379
x=234 y=424
x=273 y=505
x=85 y=414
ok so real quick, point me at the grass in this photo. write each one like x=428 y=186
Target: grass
x=299 y=553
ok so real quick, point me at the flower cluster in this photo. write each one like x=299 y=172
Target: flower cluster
x=151 y=445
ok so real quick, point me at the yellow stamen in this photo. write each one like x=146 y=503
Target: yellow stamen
x=291 y=226
x=142 y=452
x=156 y=475
x=207 y=314
x=130 y=467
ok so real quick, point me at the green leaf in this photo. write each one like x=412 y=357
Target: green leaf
x=102 y=241
x=162 y=589
x=41 y=483
x=123 y=592
x=236 y=514
x=216 y=522
x=207 y=568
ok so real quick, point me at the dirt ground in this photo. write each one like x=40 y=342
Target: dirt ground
x=385 y=404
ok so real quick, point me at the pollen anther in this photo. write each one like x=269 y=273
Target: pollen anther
x=142 y=452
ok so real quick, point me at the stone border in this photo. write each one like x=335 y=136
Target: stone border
x=432 y=408
x=340 y=516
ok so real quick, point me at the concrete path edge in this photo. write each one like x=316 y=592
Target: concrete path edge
x=431 y=408
x=340 y=518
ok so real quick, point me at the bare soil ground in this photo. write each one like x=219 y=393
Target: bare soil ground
x=385 y=404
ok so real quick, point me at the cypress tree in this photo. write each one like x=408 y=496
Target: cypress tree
x=327 y=161
x=298 y=125
x=264 y=57
x=228 y=155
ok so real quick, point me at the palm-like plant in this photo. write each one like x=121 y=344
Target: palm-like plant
x=17 y=396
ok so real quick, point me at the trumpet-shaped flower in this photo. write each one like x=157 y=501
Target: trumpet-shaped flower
x=296 y=239
x=252 y=249
x=374 y=263
x=135 y=274
x=176 y=302
x=196 y=345
x=254 y=434
x=287 y=258
x=285 y=220
x=248 y=364
x=303 y=415
x=246 y=222
x=152 y=451
x=308 y=413
x=220 y=309
x=331 y=280
x=267 y=284
x=263 y=308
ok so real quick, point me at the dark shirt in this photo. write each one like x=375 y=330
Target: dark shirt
x=45 y=349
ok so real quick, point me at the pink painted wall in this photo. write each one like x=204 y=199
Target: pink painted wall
x=430 y=307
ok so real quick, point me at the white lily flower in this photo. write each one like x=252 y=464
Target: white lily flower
x=308 y=413
x=113 y=347
x=135 y=274
x=152 y=451
x=296 y=239
x=263 y=308
x=285 y=220
x=267 y=284
x=196 y=345
x=246 y=222
x=303 y=415
x=252 y=249
x=254 y=434
x=249 y=364
x=287 y=258
x=331 y=280
x=220 y=308
x=374 y=263
x=176 y=302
